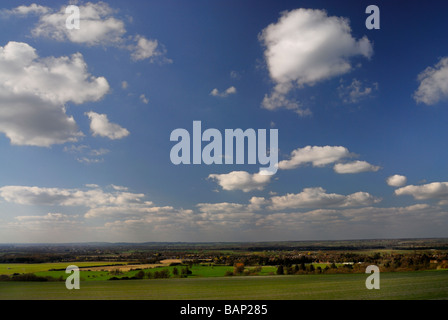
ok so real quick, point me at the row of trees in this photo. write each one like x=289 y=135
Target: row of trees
x=311 y=269
x=239 y=269
x=399 y=264
x=157 y=274
x=396 y=265
x=28 y=277
x=292 y=258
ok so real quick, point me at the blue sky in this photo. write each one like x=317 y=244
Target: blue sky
x=86 y=117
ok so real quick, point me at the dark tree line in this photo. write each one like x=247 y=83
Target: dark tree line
x=28 y=277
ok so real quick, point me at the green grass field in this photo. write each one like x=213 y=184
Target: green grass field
x=219 y=271
x=399 y=285
x=10 y=268
x=43 y=269
x=198 y=271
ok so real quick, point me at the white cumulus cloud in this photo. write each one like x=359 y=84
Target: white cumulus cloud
x=434 y=190
x=97 y=25
x=433 y=83
x=355 y=167
x=356 y=91
x=144 y=99
x=25 y=10
x=147 y=49
x=319 y=198
x=317 y=156
x=216 y=93
x=96 y=197
x=396 y=180
x=34 y=92
x=241 y=180
x=306 y=46
x=100 y=126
